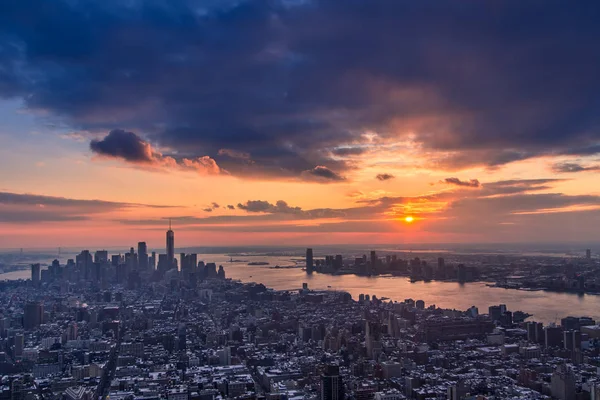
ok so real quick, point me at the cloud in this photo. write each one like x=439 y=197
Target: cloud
x=501 y=211
x=203 y=165
x=37 y=216
x=514 y=186
x=348 y=151
x=524 y=217
x=125 y=145
x=281 y=207
x=323 y=174
x=455 y=181
x=76 y=136
x=573 y=167
x=264 y=206
x=384 y=177
x=130 y=147
x=30 y=208
x=234 y=154
x=213 y=206
x=230 y=207
x=235 y=78
x=8 y=198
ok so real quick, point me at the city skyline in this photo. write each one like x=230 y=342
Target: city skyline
x=415 y=124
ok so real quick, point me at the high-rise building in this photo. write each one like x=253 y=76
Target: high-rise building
x=553 y=336
x=338 y=262
x=101 y=256
x=163 y=263
x=373 y=259
x=19 y=345
x=35 y=274
x=495 y=312
x=55 y=269
x=588 y=254
x=116 y=260
x=33 y=313
x=188 y=263
x=84 y=263
x=332 y=387
x=170 y=247
x=563 y=383
x=131 y=260
x=441 y=268
x=143 y=256
x=461 y=272
x=309 y=260
x=152 y=262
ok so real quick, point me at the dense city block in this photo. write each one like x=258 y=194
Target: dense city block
x=136 y=327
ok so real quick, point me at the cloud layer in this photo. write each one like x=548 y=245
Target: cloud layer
x=32 y=208
x=254 y=86
x=130 y=147
x=503 y=211
x=573 y=167
x=384 y=177
x=455 y=181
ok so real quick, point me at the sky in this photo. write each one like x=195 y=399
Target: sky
x=307 y=122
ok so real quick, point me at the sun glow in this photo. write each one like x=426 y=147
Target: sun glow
x=408 y=219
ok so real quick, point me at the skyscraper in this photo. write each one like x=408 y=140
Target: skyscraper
x=563 y=383
x=84 y=263
x=101 y=256
x=35 y=274
x=170 y=246
x=309 y=260
x=143 y=256
x=163 y=263
x=33 y=313
x=588 y=254
x=332 y=387
x=131 y=260
x=374 y=260
x=19 y=345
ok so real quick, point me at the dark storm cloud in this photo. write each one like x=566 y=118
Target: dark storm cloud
x=573 y=167
x=455 y=181
x=384 y=177
x=278 y=83
x=121 y=144
x=130 y=147
x=323 y=174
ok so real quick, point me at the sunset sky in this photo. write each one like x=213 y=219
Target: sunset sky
x=298 y=122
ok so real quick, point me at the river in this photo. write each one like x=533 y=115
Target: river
x=545 y=306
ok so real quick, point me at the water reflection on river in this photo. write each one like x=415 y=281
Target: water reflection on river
x=545 y=306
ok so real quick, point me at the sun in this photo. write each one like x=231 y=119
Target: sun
x=408 y=219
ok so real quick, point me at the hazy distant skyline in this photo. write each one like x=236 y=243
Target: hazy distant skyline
x=298 y=122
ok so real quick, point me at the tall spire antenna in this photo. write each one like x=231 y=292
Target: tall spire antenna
x=169 y=223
